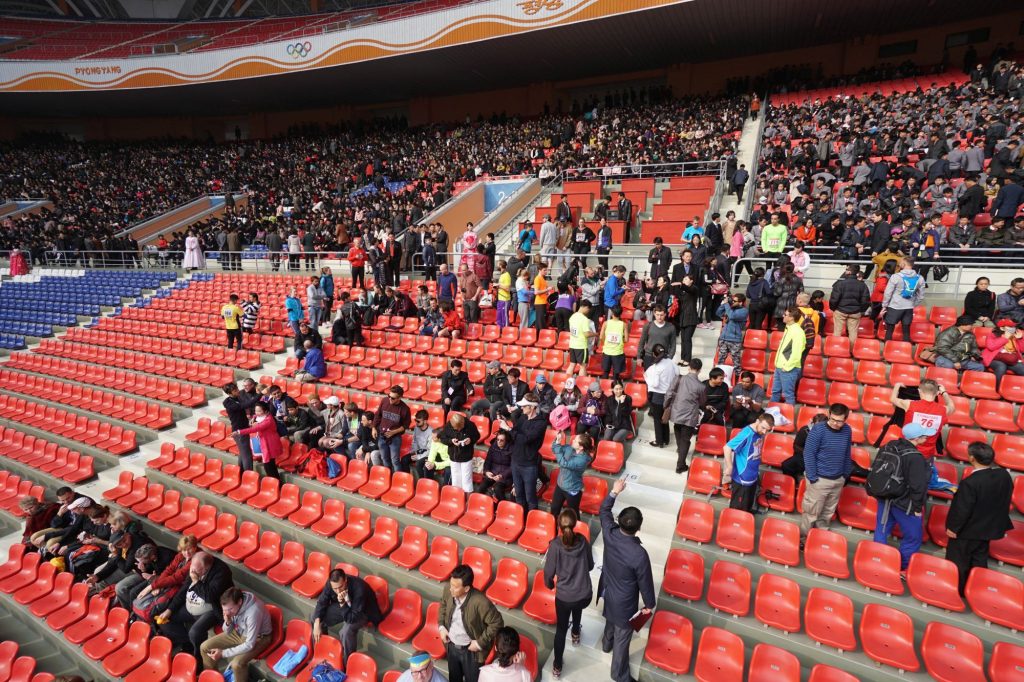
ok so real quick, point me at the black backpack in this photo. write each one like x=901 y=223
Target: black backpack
x=887 y=478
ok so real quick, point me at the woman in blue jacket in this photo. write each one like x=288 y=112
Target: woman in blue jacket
x=573 y=460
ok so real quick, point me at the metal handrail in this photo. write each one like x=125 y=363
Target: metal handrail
x=752 y=180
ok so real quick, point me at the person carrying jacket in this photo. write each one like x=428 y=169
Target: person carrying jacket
x=246 y=633
x=849 y=299
x=684 y=406
x=569 y=559
x=908 y=509
x=956 y=347
x=196 y=608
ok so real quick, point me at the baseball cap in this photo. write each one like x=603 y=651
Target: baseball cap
x=526 y=403
x=541 y=379
x=419 y=661
x=570 y=383
x=80 y=503
x=594 y=386
x=912 y=431
x=1006 y=323
x=332 y=400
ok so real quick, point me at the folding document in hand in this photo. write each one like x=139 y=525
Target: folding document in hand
x=640 y=619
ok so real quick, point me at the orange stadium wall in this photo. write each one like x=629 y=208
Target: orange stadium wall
x=529 y=100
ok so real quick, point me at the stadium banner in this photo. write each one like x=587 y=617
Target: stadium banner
x=458 y=25
x=496 y=192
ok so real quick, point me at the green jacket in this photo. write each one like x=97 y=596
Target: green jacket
x=791 y=350
x=956 y=346
x=773 y=238
x=479 y=616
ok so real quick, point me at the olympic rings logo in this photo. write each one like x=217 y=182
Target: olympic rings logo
x=299 y=50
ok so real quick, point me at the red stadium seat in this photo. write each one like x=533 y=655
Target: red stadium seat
x=479 y=513
x=508 y=522
x=510 y=583
x=826 y=673
x=828 y=619
x=696 y=521
x=450 y=506
x=856 y=508
x=539 y=531
x=780 y=542
x=1005 y=656
x=313 y=579
x=711 y=439
x=385 y=538
x=951 y=654
x=479 y=560
x=994 y=415
x=405 y=617
x=1009 y=451
x=425 y=498
x=877 y=566
x=777 y=602
x=74 y=609
x=719 y=656
x=887 y=636
x=267 y=554
x=291 y=566
x=156 y=662
x=332 y=520
x=996 y=597
x=541 y=603
x=297 y=635
x=670 y=642
x=825 y=553
x=735 y=531
x=444 y=556
x=958 y=438
x=705 y=476
x=428 y=638
x=360 y=668
x=357 y=529
x=729 y=588
x=684 y=575
x=91 y=624
x=772 y=664
x=310 y=510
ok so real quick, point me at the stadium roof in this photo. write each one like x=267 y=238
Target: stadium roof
x=696 y=31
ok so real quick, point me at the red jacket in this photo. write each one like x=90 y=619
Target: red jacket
x=994 y=345
x=270 y=442
x=878 y=294
x=356 y=256
x=174 y=575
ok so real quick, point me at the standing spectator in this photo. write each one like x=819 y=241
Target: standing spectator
x=196 y=607
x=390 y=421
x=850 y=298
x=293 y=306
x=447 y=285
x=927 y=412
x=980 y=303
x=549 y=237
x=469 y=286
x=504 y=298
x=956 y=347
x=194 y=258
x=541 y=291
x=247 y=631
x=657 y=332
x=789 y=357
x=743 y=462
x=689 y=292
x=573 y=459
x=581 y=239
x=348 y=601
x=265 y=441
x=660 y=378
x=613 y=344
x=357 y=261
x=314 y=301
x=660 y=258
x=306 y=333
x=904 y=292
x=238 y=405
x=528 y=429
x=739 y=181
x=773 y=237
x=580 y=338
x=567 y=565
x=747 y=401
x=275 y=244
x=232 y=316
x=906 y=506
x=625 y=207
x=1010 y=304
x=497 y=472
x=684 y=405
x=604 y=244
x=294 y=251
x=827 y=464
x=524 y=297
x=734 y=316
x=461 y=436
x=625 y=578
x=392 y=261
x=467 y=623
x=327 y=286
x=613 y=288
x=309 y=248
x=508 y=659
x=978 y=513
x=455 y=387
x=250 y=313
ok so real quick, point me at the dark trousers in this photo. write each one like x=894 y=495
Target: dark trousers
x=743 y=497
x=524 y=477
x=500 y=488
x=616 y=637
x=564 y=611
x=359 y=277
x=612 y=366
x=656 y=410
x=602 y=257
x=560 y=498
x=349 y=632
x=541 y=321
x=740 y=417
x=234 y=336
x=904 y=317
x=967 y=554
x=686 y=342
x=244 y=452
x=187 y=631
x=462 y=664
x=684 y=434
x=270 y=469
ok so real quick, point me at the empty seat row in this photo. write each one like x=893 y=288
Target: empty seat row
x=102 y=435
x=12 y=341
x=15 y=668
x=175 y=368
x=217 y=355
x=13 y=488
x=167 y=390
x=113 y=405
x=25 y=328
x=46 y=456
x=260 y=342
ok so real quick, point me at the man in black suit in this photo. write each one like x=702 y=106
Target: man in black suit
x=625 y=578
x=348 y=600
x=713 y=234
x=625 y=208
x=563 y=213
x=660 y=258
x=978 y=513
x=1008 y=200
x=972 y=201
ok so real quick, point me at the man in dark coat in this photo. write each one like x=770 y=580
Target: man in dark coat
x=1008 y=200
x=978 y=513
x=196 y=609
x=972 y=201
x=468 y=623
x=348 y=600
x=625 y=578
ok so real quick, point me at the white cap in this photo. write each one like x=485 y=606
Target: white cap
x=332 y=400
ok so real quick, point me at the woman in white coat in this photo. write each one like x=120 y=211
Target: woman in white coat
x=194 y=259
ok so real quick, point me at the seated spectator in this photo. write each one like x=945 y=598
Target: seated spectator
x=247 y=631
x=366 y=449
x=497 y=472
x=1004 y=350
x=38 y=516
x=196 y=608
x=348 y=325
x=591 y=412
x=299 y=422
x=65 y=516
x=495 y=381
x=956 y=347
x=1010 y=304
x=332 y=436
x=422 y=437
x=716 y=397
x=454 y=325
x=149 y=561
x=90 y=547
x=461 y=436
x=508 y=660
x=980 y=304
x=455 y=387
x=545 y=394
x=314 y=368
x=347 y=601
x=126 y=538
x=437 y=465
x=747 y=401
x=570 y=396
x=164 y=586
x=433 y=320
x=422 y=301
x=421 y=669
x=306 y=333
x=618 y=415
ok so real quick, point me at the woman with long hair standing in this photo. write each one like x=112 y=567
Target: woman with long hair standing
x=569 y=559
